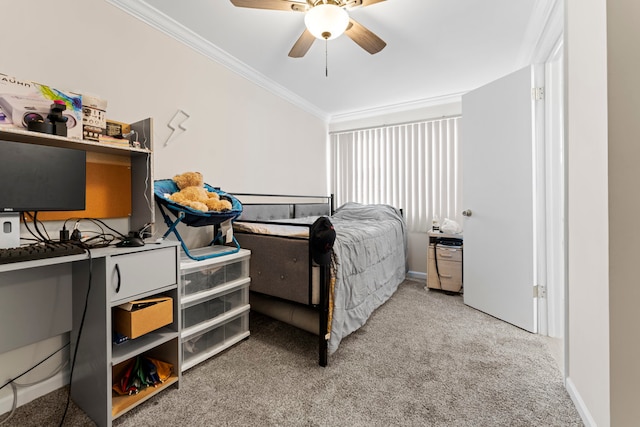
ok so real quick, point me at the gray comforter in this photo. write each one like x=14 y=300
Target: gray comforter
x=369 y=263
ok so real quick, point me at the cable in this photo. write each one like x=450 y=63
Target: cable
x=35 y=223
x=107 y=226
x=15 y=385
x=101 y=237
x=23 y=216
x=34 y=366
x=75 y=350
x=14 y=404
x=146 y=183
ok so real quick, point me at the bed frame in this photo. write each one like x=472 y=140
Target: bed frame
x=285 y=282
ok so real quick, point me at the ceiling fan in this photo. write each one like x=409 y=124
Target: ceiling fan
x=324 y=20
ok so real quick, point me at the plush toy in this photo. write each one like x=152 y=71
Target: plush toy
x=193 y=194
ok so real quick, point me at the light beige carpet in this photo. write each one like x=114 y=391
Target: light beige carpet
x=422 y=359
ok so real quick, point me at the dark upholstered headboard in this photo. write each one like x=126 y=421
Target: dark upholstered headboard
x=311 y=209
x=259 y=207
x=265 y=212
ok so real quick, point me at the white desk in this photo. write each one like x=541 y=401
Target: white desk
x=44 y=298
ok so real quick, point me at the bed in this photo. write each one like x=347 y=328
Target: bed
x=368 y=262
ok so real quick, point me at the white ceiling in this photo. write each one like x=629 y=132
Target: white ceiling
x=435 y=49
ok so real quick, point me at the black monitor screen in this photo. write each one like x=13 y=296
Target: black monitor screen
x=41 y=178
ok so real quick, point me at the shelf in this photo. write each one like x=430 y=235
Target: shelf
x=61 y=141
x=122 y=404
x=131 y=348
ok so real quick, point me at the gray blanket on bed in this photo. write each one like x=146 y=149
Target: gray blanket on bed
x=370 y=260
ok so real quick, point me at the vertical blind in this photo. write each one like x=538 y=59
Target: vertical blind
x=415 y=167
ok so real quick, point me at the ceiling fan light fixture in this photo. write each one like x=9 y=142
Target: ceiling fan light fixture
x=326 y=21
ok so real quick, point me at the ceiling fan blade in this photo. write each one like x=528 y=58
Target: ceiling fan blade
x=364 y=38
x=361 y=3
x=302 y=45
x=271 y=4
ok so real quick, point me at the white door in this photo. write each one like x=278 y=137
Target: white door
x=498 y=152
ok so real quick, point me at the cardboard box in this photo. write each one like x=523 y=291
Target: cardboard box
x=94 y=120
x=137 y=318
x=23 y=100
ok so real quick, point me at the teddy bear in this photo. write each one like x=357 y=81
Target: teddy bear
x=193 y=194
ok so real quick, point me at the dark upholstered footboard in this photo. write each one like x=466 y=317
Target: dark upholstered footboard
x=279 y=266
x=281 y=269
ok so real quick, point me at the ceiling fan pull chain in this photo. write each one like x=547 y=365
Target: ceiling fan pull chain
x=326 y=58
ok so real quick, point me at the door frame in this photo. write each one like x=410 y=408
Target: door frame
x=554 y=318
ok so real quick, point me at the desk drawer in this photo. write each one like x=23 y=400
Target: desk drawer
x=139 y=272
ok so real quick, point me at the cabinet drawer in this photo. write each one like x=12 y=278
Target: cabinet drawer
x=450 y=275
x=139 y=272
x=205 y=275
x=202 y=311
x=451 y=253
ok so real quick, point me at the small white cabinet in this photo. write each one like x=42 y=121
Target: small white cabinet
x=444 y=263
x=111 y=277
x=214 y=303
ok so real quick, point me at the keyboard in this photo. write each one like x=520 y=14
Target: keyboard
x=39 y=251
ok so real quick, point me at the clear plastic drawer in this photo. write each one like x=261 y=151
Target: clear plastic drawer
x=211 y=341
x=206 y=310
x=199 y=276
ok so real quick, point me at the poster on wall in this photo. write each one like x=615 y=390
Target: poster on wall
x=50 y=109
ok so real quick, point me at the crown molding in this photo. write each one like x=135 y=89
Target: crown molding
x=144 y=12
x=545 y=28
x=396 y=108
x=158 y=20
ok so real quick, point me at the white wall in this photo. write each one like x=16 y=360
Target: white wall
x=623 y=63
x=587 y=210
x=241 y=137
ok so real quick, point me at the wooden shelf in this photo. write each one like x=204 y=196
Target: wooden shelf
x=122 y=404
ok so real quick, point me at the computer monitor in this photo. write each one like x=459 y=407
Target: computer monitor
x=36 y=178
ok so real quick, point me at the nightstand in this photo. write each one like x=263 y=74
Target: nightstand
x=444 y=262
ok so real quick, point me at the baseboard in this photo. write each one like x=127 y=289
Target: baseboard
x=27 y=394
x=587 y=419
x=417 y=275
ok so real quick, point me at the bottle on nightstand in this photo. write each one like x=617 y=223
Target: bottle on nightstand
x=435 y=224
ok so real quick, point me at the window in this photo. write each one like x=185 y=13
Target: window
x=413 y=166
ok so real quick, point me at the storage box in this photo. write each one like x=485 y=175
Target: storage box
x=153 y=313
x=24 y=100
